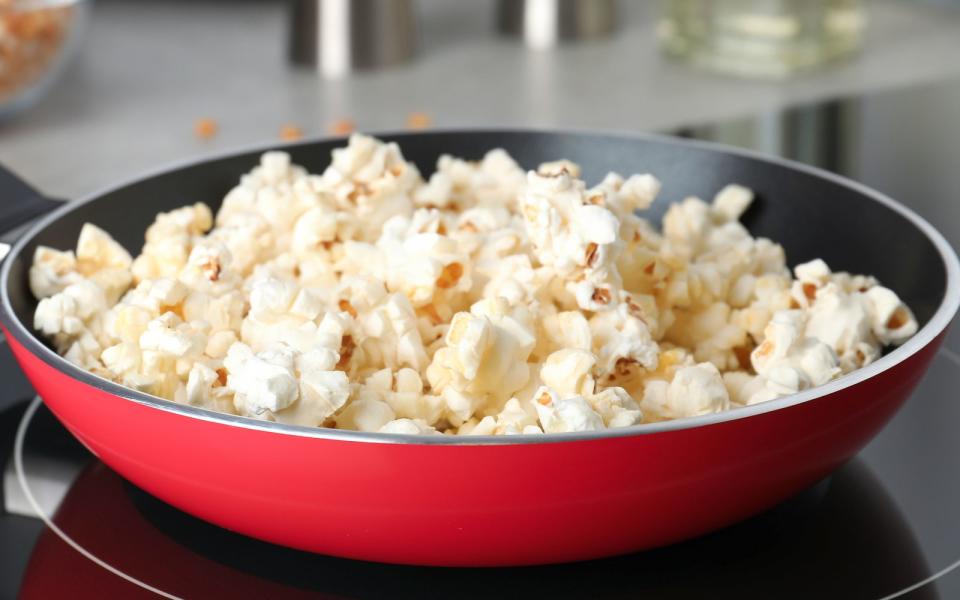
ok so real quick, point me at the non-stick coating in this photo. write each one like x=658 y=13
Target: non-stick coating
x=810 y=216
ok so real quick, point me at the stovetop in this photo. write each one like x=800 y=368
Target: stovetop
x=881 y=525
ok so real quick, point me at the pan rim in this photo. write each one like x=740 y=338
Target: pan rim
x=926 y=335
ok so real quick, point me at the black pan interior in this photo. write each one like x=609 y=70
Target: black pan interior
x=810 y=216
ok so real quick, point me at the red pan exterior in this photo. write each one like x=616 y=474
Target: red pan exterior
x=476 y=505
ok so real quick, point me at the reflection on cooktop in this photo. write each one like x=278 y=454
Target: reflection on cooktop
x=842 y=538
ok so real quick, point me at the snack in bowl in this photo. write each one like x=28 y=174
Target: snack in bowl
x=483 y=300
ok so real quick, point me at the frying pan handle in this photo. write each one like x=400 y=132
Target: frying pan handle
x=19 y=202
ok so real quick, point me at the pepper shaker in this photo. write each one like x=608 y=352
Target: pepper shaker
x=338 y=37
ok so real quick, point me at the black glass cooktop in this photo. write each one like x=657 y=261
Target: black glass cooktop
x=885 y=524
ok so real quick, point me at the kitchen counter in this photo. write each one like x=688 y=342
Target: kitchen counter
x=149 y=69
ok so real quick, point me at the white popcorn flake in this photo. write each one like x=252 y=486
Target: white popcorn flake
x=568 y=372
x=321 y=394
x=121 y=358
x=515 y=418
x=485 y=354
x=616 y=407
x=169 y=241
x=695 y=390
x=622 y=341
x=51 y=271
x=890 y=319
x=487 y=300
x=557 y=167
x=205 y=388
x=567 y=329
x=569 y=414
x=624 y=197
x=841 y=321
x=264 y=383
x=579 y=240
x=408 y=427
x=731 y=202
x=58 y=314
x=168 y=336
x=685 y=225
x=96 y=250
x=790 y=362
x=365 y=414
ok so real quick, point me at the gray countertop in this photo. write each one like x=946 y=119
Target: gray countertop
x=149 y=69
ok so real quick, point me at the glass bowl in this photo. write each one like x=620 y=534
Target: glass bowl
x=37 y=39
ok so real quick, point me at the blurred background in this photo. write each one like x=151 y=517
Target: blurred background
x=155 y=81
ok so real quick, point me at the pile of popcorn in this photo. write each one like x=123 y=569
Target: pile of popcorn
x=484 y=300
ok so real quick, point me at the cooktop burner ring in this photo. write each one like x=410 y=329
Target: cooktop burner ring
x=21 y=435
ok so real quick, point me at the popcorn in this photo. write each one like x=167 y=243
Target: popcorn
x=890 y=319
x=322 y=393
x=569 y=414
x=621 y=343
x=731 y=202
x=496 y=180
x=616 y=407
x=623 y=197
x=282 y=384
x=515 y=418
x=58 y=314
x=841 y=321
x=390 y=333
x=206 y=388
x=579 y=240
x=742 y=387
x=263 y=383
x=485 y=357
x=169 y=240
x=168 y=337
x=365 y=414
x=685 y=226
x=789 y=361
x=372 y=180
x=403 y=393
x=51 y=271
x=248 y=237
x=568 y=372
x=102 y=260
x=484 y=301
x=426 y=267
x=272 y=196
x=282 y=312
x=712 y=335
x=84 y=351
x=567 y=329
x=408 y=427
x=695 y=390
x=320 y=228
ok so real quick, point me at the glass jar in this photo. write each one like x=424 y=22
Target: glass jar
x=761 y=38
x=37 y=38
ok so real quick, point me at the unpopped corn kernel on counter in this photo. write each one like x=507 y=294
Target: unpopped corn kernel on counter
x=483 y=300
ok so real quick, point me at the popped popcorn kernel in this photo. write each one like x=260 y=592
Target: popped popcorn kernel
x=482 y=300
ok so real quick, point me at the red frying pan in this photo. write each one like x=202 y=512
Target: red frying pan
x=504 y=500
